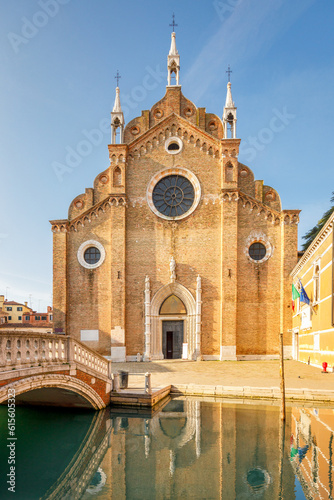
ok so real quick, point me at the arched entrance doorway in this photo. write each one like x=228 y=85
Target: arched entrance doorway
x=173 y=309
x=172 y=329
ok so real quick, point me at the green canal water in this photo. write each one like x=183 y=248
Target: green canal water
x=187 y=449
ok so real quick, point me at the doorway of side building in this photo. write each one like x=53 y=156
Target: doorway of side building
x=172 y=339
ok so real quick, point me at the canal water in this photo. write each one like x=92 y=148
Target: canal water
x=186 y=449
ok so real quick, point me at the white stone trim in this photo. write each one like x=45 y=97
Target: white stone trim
x=131 y=359
x=173 y=171
x=173 y=139
x=189 y=331
x=118 y=354
x=288 y=352
x=257 y=357
x=81 y=251
x=210 y=357
x=228 y=352
x=258 y=237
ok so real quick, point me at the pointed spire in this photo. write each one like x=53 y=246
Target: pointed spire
x=173 y=50
x=117 y=117
x=230 y=113
x=229 y=101
x=173 y=58
x=117 y=106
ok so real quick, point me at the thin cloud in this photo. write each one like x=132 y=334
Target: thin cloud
x=252 y=27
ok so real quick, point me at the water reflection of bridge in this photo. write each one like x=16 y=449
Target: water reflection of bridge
x=78 y=475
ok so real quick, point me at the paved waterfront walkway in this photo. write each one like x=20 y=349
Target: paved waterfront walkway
x=239 y=378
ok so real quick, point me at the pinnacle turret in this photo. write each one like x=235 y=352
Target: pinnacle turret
x=173 y=58
x=117 y=117
x=230 y=113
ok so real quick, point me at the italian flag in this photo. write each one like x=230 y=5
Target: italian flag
x=295 y=295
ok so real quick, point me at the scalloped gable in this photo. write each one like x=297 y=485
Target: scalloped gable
x=173 y=102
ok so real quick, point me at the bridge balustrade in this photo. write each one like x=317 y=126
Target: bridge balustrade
x=26 y=349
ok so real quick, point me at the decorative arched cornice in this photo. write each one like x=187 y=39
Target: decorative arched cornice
x=95 y=211
x=174 y=125
x=54 y=380
x=259 y=208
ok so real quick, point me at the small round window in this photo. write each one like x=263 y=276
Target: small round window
x=257 y=251
x=92 y=255
x=173 y=145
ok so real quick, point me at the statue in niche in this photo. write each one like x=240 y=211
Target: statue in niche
x=172 y=267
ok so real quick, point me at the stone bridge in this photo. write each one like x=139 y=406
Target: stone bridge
x=51 y=369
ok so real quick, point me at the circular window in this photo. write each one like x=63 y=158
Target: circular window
x=173 y=193
x=257 y=251
x=173 y=145
x=79 y=204
x=188 y=111
x=135 y=130
x=158 y=113
x=212 y=125
x=91 y=254
x=104 y=179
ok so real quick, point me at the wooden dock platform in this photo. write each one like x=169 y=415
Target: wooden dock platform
x=138 y=397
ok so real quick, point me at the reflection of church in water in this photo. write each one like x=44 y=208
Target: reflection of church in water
x=193 y=449
x=177 y=251
x=197 y=449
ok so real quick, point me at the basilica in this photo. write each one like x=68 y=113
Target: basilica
x=176 y=251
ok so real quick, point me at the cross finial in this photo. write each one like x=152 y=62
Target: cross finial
x=229 y=71
x=173 y=23
x=118 y=76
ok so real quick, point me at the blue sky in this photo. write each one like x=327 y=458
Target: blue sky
x=59 y=59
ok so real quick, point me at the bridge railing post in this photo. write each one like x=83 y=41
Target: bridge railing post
x=70 y=350
x=109 y=369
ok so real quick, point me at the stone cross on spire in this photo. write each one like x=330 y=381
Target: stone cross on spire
x=229 y=71
x=118 y=76
x=173 y=23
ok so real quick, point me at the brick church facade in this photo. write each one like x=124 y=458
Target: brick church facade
x=176 y=252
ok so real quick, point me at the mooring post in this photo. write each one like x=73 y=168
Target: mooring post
x=148 y=388
x=282 y=377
